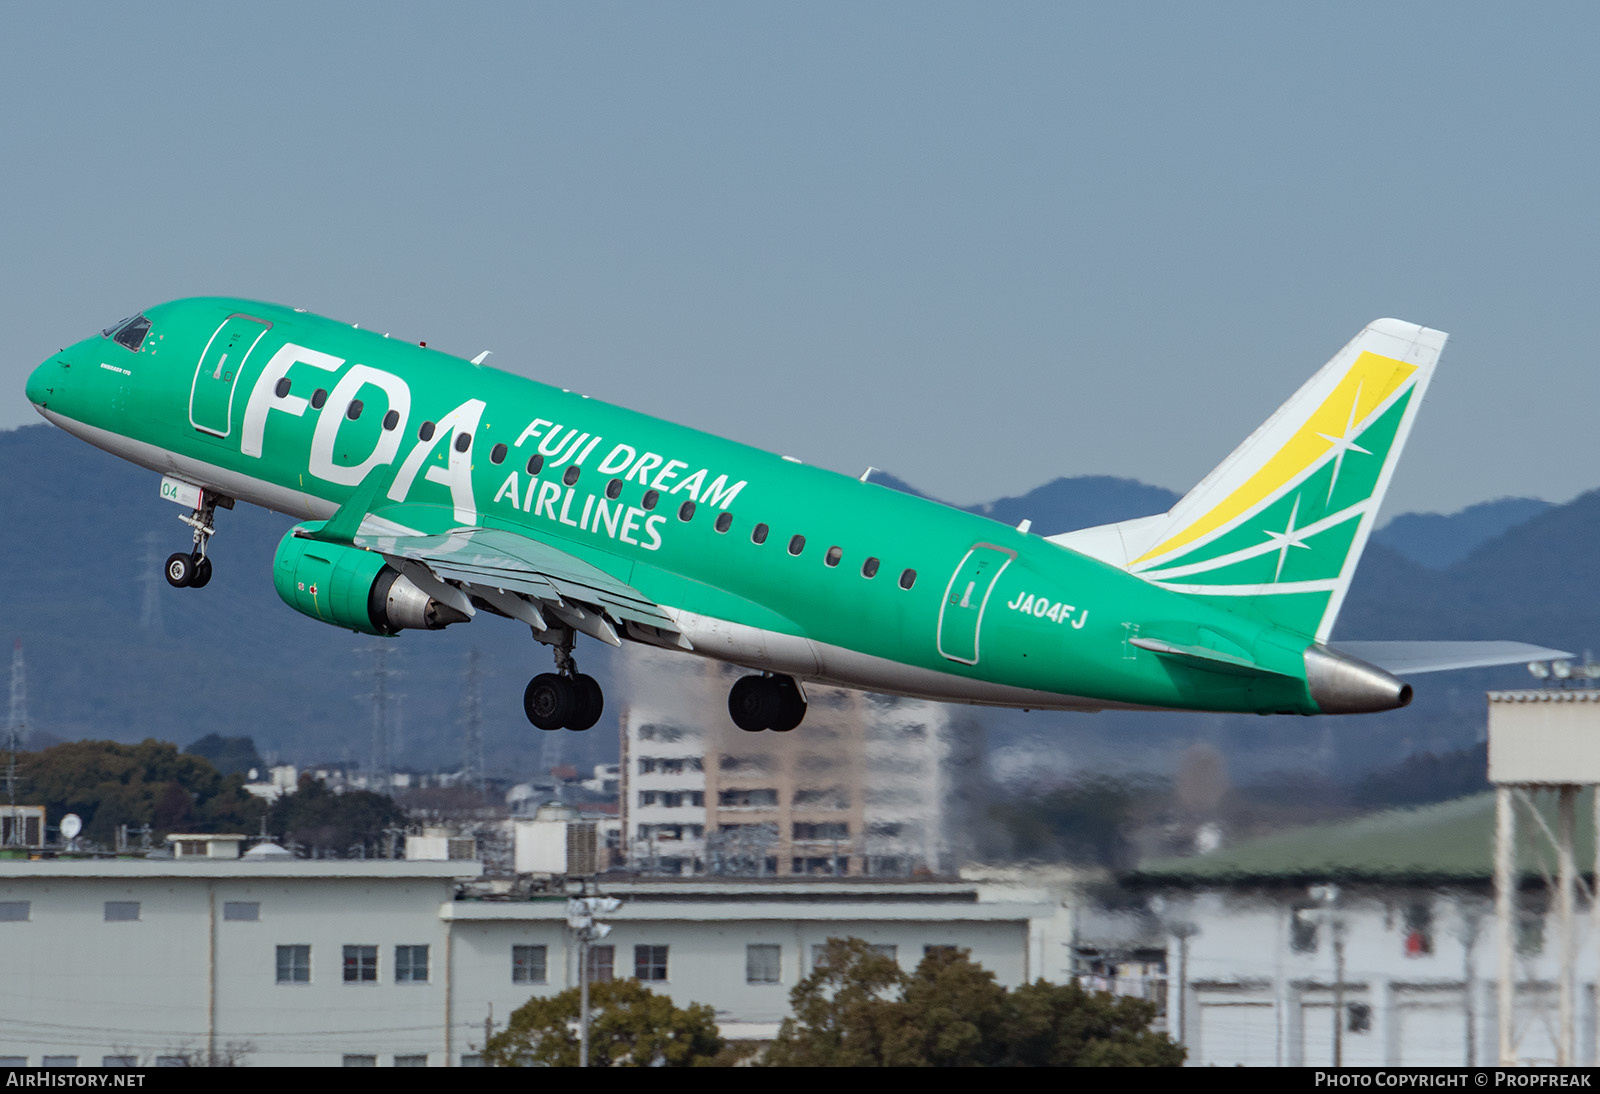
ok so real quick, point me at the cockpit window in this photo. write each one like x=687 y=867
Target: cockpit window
x=129 y=333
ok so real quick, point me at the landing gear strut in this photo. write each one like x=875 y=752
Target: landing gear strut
x=193 y=570
x=566 y=698
x=766 y=702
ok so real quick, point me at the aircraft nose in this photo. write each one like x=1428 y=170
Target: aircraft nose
x=43 y=381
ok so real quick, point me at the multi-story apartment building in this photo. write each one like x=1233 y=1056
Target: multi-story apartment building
x=868 y=785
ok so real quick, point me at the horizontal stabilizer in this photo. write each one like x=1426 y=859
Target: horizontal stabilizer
x=1405 y=658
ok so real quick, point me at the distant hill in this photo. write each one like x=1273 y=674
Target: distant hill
x=113 y=652
x=1438 y=540
x=1063 y=505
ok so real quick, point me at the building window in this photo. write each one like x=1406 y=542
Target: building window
x=59 y=1061
x=119 y=1061
x=1358 y=1017
x=172 y=1061
x=945 y=948
x=411 y=964
x=361 y=965
x=13 y=1061
x=761 y=964
x=351 y=1060
x=294 y=964
x=602 y=964
x=15 y=911
x=411 y=1061
x=122 y=911
x=242 y=911
x=1302 y=932
x=528 y=964
x=831 y=830
x=1530 y=933
x=1419 y=931
x=472 y=1059
x=649 y=962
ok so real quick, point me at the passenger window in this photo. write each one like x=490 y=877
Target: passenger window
x=463 y=441
x=535 y=462
x=613 y=489
x=425 y=433
x=650 y=498
x=833 y=556
x=353 y=411
x=685 y=511
x=724 y=521
x=497 y=454
x=796 y=545
x=908 y=578
x=869 y=568
x=571 y=477
x=282 y=390
x=391 y=420
x=758 y=534
x=318 y=397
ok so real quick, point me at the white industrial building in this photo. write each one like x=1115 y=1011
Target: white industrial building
x=402 y=963
x=1389 y=918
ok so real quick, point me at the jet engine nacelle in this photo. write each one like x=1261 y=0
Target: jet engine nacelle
x=352 y=588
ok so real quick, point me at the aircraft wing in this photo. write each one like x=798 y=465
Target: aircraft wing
x=511 y=572
x=501 y=567
x=1405 y=658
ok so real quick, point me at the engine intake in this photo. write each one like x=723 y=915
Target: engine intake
x=352 y=588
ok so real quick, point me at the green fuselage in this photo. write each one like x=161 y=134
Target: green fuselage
x=992 y=614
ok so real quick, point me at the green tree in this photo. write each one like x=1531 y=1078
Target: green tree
x=629 y=1026
x=319 y=818
x=857 y=1009
x=229 y=755
x=109 y=784
x=845 y=1013
x=1061 y=1025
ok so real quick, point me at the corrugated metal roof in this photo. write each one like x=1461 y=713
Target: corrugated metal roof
x=1448 y=842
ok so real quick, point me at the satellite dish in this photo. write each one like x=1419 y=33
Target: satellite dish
x=71 y=825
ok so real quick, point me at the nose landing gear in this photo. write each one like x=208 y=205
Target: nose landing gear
x=193 y=570
x=766 y=702
x=566 y=698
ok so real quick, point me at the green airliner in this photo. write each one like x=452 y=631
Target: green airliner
x=435 y=489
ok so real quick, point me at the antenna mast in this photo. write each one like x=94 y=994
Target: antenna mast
x=472 y=767
x=16 y=726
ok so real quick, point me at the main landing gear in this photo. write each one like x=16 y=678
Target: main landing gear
x=766 y=702
x=193 y=570
x=566 y=698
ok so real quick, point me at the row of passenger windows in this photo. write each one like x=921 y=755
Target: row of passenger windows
x=652 y=497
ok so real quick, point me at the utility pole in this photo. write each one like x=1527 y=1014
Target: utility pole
x=580 y=917
x=380 y=757
x=150 y=609
x=16 y=727
x=472 y=767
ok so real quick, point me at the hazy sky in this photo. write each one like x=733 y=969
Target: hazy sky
x=979 y=245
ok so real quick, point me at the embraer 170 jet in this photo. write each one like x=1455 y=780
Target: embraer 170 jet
x=435 y=489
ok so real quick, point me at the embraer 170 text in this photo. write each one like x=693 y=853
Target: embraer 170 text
x=434 y=489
